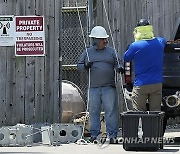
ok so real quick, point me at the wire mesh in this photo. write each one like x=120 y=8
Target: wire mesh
x=73 y=44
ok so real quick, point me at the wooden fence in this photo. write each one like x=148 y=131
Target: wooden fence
x=29 y=86
x=124 y=14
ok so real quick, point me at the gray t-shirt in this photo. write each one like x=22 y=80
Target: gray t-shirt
x=102 y=72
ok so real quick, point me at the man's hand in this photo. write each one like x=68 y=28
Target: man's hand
x=88 y=65
x=120 y=70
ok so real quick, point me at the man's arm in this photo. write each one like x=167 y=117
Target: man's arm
x=129 y=54
x=119 y=65
x=81 y=62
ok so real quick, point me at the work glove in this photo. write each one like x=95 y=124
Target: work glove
x=88 y=65
x=120 y=70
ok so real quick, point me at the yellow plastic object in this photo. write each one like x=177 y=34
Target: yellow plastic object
x=143 y=33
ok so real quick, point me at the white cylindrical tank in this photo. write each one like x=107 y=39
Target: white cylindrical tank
x=72 y=101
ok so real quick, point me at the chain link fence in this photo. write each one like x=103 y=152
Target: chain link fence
x=73 y=44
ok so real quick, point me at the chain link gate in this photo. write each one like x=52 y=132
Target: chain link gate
x=73 y=45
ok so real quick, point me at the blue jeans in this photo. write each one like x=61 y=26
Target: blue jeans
x=106 y=96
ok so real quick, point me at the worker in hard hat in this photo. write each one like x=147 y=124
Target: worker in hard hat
x=147 y=54
x=101 y=61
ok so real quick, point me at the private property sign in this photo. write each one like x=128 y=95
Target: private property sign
x=29 y=36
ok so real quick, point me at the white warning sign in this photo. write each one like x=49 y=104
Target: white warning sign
x=7 y=30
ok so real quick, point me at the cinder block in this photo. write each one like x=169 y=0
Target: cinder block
x=61 y=133
x=25 y=135
x=4 y=136
x=74 y=132
x=19 y=135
